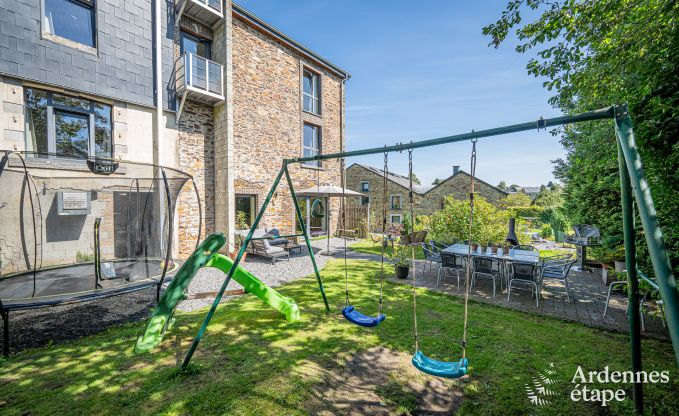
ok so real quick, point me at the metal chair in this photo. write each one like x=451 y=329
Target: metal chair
x=430 y=257
x=557 y=269
x=485 y=267
x=526 y=274
x=450 y=261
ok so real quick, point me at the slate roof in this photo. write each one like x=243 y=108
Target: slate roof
x=419 y=189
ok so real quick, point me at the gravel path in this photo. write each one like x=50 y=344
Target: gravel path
x=41 y=327
x=210 y=280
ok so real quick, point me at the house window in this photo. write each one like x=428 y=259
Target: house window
x=395 y=201
x=311 y=88
x=395 y=219
x=365 y=201
x=365 y=186
x=71 y=19
x=312 y=144
x=72 y=126
x=247 y=205
x=195 y=45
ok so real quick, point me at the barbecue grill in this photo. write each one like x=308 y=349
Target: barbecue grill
x=585 y=236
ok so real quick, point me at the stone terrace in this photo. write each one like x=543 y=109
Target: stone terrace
x=587 y=288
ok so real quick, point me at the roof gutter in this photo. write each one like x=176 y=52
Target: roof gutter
x=298 y=47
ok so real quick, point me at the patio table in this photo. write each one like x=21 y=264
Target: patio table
x=523 y=257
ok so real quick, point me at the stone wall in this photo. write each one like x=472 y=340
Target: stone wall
x=196 y=157
x=268 y=122
x=456 y=186
x=426 y=203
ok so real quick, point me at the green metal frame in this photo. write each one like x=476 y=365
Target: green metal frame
x=633 y=186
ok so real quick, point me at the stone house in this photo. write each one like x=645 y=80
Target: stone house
x=427 y=199
x=209 y=88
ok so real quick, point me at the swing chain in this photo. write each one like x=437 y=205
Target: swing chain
x=343 y=209
x=472 y=179
x=384 y=226
x=412 y=249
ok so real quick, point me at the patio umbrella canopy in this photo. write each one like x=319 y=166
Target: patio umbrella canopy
x=327 y=191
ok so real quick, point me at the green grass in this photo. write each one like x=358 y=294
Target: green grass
x=368 y=247
x=253 y=362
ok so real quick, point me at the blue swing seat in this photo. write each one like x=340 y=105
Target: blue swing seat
x=440 y=368
x=356 y=317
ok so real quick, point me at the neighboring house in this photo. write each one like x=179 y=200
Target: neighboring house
x=236 y=97
x=427 y=199
x=531 y=191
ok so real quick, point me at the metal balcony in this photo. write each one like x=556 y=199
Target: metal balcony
x=199 y=79
x=209 y=12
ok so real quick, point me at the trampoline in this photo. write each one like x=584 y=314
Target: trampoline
x=79 y=229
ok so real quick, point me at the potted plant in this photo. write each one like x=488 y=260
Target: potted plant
x=241 y=224
x=619 y=259
x=401 y=258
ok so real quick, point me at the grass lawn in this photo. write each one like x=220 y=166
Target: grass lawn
x=252 y=362
x=368 y=247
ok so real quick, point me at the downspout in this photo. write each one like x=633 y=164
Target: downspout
x=158 y=76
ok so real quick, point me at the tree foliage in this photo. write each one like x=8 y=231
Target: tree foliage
x=591 y=54
x=517 y=199
x=451 y=224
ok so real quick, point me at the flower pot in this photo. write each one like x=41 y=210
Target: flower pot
x=234 y=254
x=401 y=272
x=604 y=274
x=620 y=266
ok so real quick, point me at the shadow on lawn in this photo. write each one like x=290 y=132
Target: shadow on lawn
x=251 y=361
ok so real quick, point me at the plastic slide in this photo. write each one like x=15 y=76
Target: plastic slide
x=206 y=256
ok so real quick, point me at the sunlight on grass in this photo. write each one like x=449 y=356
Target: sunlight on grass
x=252 y=361
x=368 y=247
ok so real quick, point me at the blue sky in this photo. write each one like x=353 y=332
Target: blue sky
x=422 y=70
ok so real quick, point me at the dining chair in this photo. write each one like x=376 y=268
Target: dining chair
x=557 y=269
x=451 y=262
x=525 y=274
x=431 y=257
x=485 y=267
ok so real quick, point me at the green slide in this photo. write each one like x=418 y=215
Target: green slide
x=206 y=256
x=251 y=284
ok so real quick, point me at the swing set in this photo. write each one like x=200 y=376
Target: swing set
x=634 y=186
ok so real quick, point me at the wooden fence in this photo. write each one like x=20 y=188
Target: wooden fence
x=356 y=218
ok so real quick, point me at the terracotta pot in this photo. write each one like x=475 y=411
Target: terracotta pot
x=234 y=254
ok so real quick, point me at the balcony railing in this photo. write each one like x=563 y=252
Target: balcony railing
x=200 y=79
x=205 y=11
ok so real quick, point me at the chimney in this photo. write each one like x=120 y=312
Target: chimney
x=456 y=168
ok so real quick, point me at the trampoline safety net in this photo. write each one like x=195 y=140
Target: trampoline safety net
x=75 y=229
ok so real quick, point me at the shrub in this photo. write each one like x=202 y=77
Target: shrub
x=452 y=222
x=546 y=231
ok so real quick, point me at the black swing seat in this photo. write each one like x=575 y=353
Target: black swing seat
x=356 y=317
x=440 y=368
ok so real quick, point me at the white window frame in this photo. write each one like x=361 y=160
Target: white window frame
x=400 y=201
x=53 y=108
x=391 y=218
x=315 y=95
x=314 y=151
x=365 y=186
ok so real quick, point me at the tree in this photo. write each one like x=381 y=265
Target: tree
x=517 y=199
x=591 y=54
x=502 y=185
x=452 y=222
x=415 y=178
x=514 y=188
x=437 y=181
x=548 y=197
